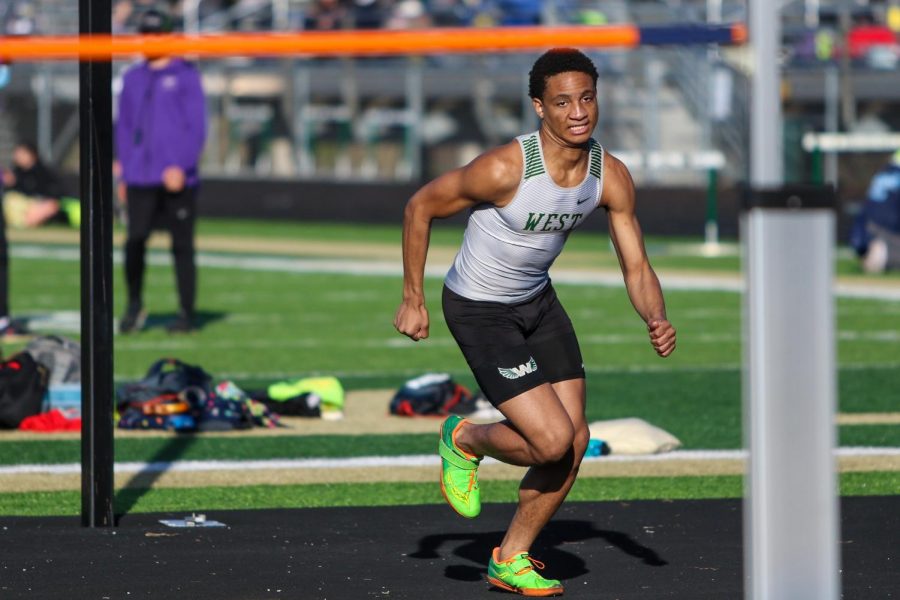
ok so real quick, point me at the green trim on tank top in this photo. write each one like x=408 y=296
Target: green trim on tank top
x=596 y=159
x=534 y=164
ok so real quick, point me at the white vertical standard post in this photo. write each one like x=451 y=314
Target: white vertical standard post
x=790 y=508
x=766 y=161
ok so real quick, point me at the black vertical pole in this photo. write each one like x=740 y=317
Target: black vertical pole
x=95 y=111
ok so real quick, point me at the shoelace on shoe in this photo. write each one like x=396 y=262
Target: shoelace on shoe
x=472 y=481
x=535 y=564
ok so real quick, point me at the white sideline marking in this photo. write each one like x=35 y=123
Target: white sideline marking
x=407 y=373
x=410 y=460
x=730 y=283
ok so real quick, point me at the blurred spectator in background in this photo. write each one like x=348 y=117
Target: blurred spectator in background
x=19 y=18
x=160 y=133
x=520 y=12
x=408 y=14
x=452 y=13
x=121 y=14
x=251 y=15
x=368 y=14
x=867 y=34
x=824 y=44
x=892 y=18
x=34 y=192
x=326 y=15
x=874 y=44
x=876 y=232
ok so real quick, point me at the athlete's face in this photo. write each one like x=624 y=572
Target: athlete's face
x=568 y=107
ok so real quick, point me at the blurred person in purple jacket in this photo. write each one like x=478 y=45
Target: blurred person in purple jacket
x=160 y=132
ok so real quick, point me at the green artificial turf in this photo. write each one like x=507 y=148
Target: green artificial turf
x=403 y=493
x=665 y=252
x=200 y=447
x=261 y=325
x=869 y=435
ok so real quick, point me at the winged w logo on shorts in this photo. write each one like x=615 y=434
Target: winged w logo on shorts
x=520 y=371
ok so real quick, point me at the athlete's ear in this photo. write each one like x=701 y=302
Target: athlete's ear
x=538 y=107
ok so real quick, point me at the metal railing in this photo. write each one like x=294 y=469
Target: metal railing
x=277 y=14
x=375 y=118
x=394 y=119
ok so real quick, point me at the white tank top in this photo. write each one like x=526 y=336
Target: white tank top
x=506 y=252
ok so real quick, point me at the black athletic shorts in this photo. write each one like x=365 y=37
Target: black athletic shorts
x=512 y=348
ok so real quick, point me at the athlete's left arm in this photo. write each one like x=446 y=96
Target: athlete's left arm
x=641 y=281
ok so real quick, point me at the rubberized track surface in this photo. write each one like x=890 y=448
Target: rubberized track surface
x=615 y=550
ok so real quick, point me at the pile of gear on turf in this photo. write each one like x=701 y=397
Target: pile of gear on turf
x=40 y=390
x=176 y=396
x=439 y=395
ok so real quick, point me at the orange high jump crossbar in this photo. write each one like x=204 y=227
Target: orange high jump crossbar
x=357 y=43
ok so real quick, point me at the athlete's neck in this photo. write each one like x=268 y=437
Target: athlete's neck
x=564 y=161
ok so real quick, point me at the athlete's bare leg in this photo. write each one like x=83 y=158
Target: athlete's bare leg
x=545 y=429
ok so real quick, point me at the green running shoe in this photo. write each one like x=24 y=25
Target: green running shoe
x=459 y=471
x=518 y=574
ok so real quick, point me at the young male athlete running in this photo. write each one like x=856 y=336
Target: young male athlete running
x=525 y=198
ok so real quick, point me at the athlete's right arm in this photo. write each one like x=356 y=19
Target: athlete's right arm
x=492 y=177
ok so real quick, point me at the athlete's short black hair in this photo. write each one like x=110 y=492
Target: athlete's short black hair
x=554 y=62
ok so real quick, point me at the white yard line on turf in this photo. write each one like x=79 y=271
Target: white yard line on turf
x=609 y=278
x=412 y=460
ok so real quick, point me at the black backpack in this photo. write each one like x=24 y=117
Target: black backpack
x=23 y=383
x=432 y=394
x=167 y=377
